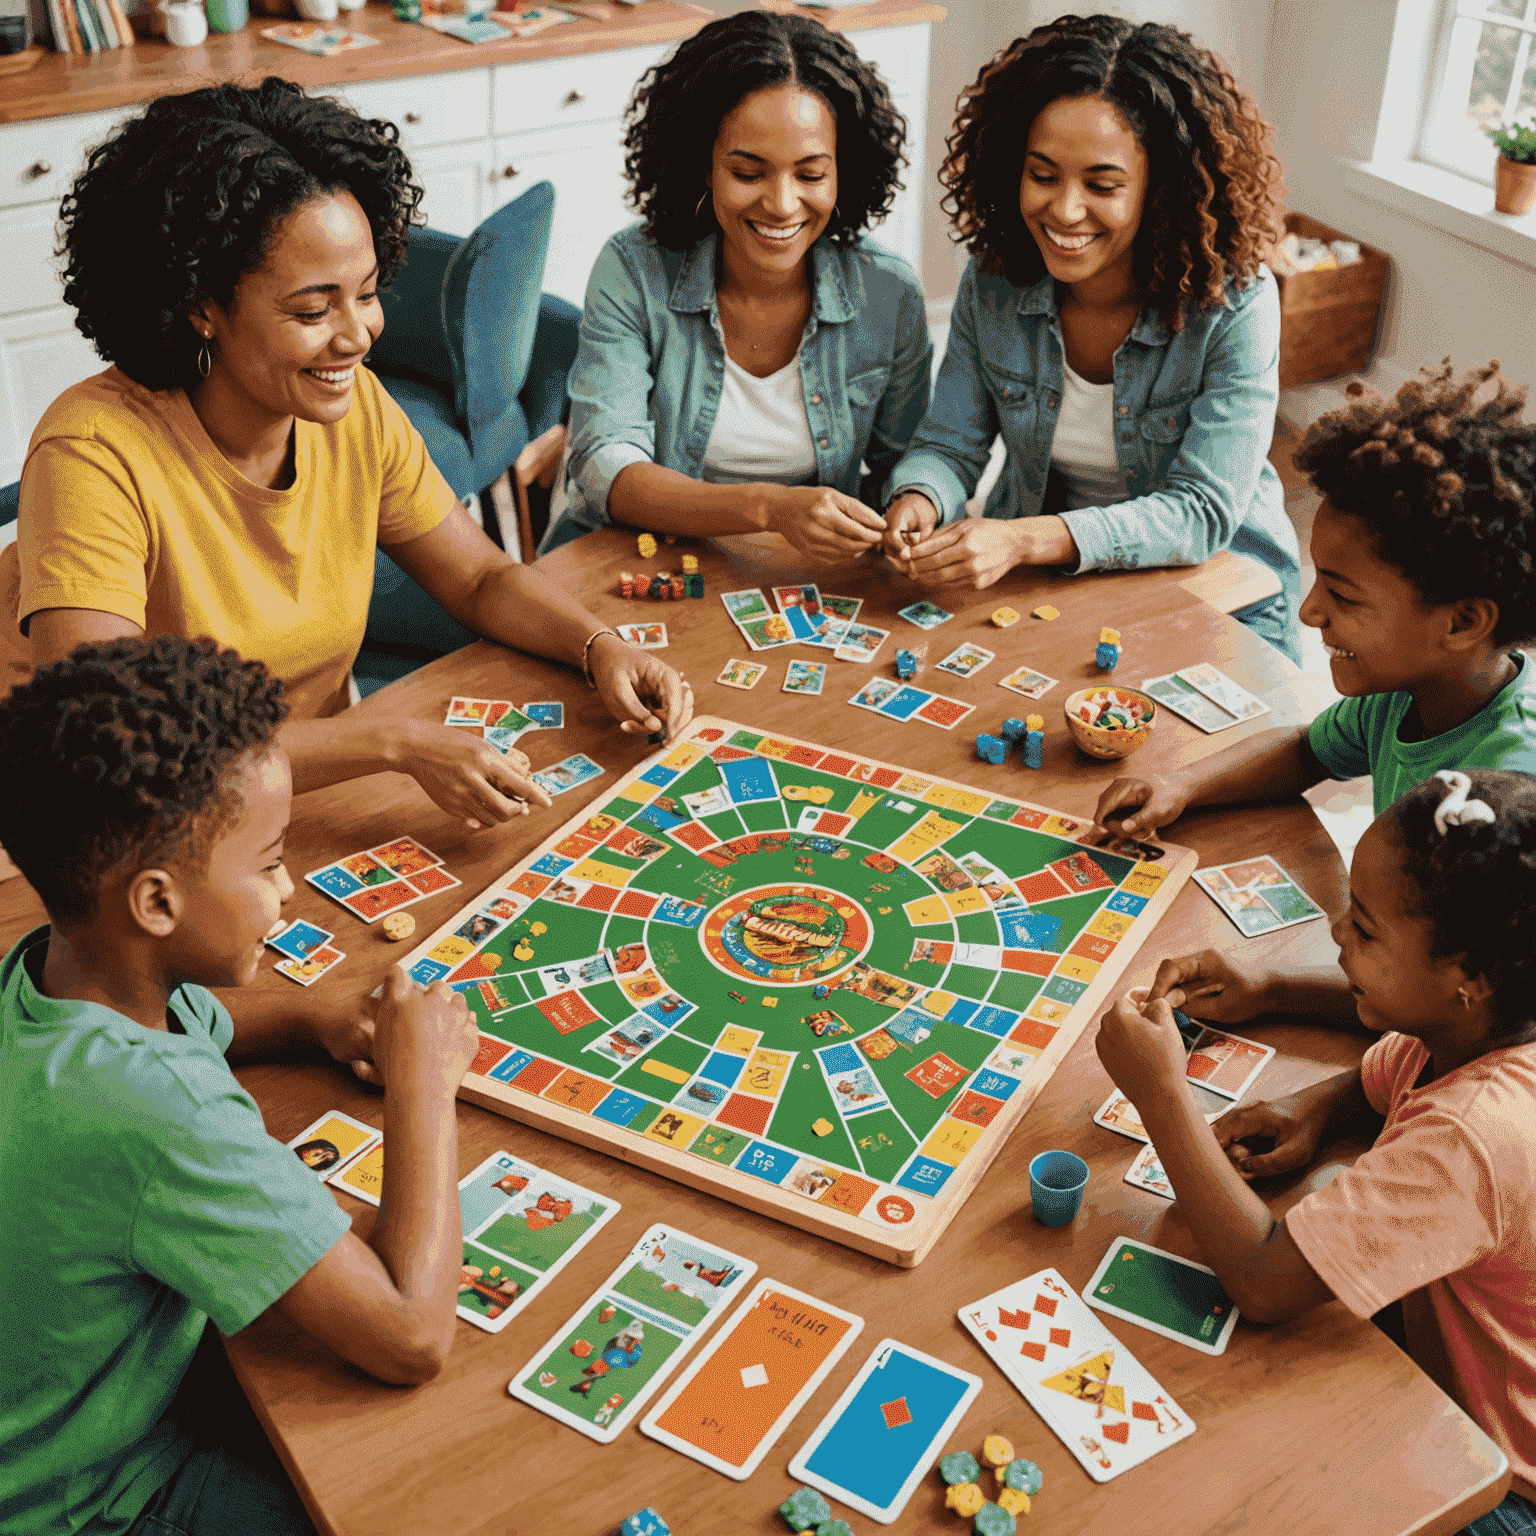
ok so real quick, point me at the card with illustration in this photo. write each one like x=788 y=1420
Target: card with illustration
x=569 y=773
x=1225 y=1064
x=942 y=712
x=829 y=631
x=841 y=607
x=522 y=1225
x=1220 y=689
x=507 y=717
x=1205 y=697
x=299 y=939
x=887 y=1429
x=967 y=660
x=925 y=615
x=405 y=856
x=1257 y=895
x=546 y=716
x=766 y=633
x=805 y=677
x=363 y=1178
x=1119 y=1115
x=332 y=1142
x=747 y=1384
x=803 y=625
x=369 y=885
x=1098 y=1399
x=803 y=596
x=861 y=642
x=502 y=741
x=741 y=674
x=649 y=637
x=1028 y=682
x=905 y=702
x=312 y=966
x=610 y=1358
x=1174 y=1297
x=875 y=693
x=1146 y=1172
x=746 y=604
x=468 y=711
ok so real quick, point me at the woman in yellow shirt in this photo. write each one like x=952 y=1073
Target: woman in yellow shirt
x=233 y=472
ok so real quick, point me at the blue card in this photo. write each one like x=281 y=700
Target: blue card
x=334 y=880
x=886 y=1430
x=801 y=625
x=904 y=703
x=749 y=779
x=1029 y=930
x=546 y=717
x=299 y=938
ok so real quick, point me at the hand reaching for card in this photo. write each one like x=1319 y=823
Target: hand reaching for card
x=468 y=778
x=423 y=1041
x=1141 y=1048
x=1213 y=987
x=1135 y=807
x=1292 y=1128
x=640 y=691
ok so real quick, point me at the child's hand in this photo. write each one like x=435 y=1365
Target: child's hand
x=1142 y=1052
x=1134 y=807
x=423 y=1041
x=348 y=1037
x=1213 y=987
x=1293 y=1134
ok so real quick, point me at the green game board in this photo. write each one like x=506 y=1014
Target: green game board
x=647 y=979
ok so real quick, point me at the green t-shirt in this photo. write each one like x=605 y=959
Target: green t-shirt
x=1357 y=736
x=139 y=1195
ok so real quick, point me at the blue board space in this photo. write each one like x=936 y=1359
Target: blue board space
x=860 y=1454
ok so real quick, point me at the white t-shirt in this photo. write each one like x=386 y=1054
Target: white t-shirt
x=1084 y=446
x=761 y=431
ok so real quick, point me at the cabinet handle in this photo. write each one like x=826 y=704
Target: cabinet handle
x=509 y=172
x=413 y=118
x=572 y=98
x=37 y=170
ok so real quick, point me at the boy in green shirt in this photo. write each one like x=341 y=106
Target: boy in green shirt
x=142 y=1197
x=1425 y=549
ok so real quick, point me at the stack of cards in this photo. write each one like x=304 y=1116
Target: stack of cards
x=1108 y=1410
x=1258 y=895
x=1205 y=697
x=487 y=713
x=383 y=879
x=1160 y=1291
x=901 y=701
x=760 y=626
x=571 y=772
x=307 y=950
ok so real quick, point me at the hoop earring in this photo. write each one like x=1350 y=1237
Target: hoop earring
x=700 y=204
x=204 y=360
x=1461 y=992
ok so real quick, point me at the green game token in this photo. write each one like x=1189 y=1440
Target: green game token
x=805 y=1508
x=834 y=1528
x=994 y=1520
x=959 y=1467
x=1023 y=1475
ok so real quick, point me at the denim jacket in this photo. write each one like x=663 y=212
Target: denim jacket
x=647 y=376
x=1194 y=417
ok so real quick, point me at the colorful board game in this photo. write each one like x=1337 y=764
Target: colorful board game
x=810 y=982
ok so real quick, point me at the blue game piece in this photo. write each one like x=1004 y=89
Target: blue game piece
x=991 y=749
x=959 y=1467
x=1106 y=656
x=906 y=664
x=820 y=990
x=1023 y=1475
x=1034 y=749
x=1013 y=729
x=645 y=1522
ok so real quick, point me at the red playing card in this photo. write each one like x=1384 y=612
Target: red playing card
x=896 y=1413
x=1119 y=1433
x=1034 y=1351
x=1143 y=1411
x=1018 y=1319
x=1061 y=1335
x=1046 y=1304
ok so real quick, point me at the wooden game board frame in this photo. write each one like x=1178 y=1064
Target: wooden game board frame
x=906 y=1245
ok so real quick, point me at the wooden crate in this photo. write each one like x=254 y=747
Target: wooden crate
x=1328 y=320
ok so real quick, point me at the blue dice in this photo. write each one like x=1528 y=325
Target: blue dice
x=820 y=990
x=1013 y=730
x=1034 y=749
x=645 y=1522
x=906 y=664
x=1105 y=656
x=991 y=749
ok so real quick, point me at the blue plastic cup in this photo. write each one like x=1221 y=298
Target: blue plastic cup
x=1056 y=1184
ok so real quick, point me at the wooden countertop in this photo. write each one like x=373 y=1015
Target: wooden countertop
x=67 y=83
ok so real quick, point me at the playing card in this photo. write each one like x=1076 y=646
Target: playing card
x=925 y=615
x=502 y=741
x=803 y=596
x=298 y=939
x=1099 y=1400
x=805 y=677
x=598 y=1371
x=734 y=1401
x=861 y=642
x=649 y=637
x=1146 y=1172
x=1204 y=706
x=308 y=970
x=467 y=711
x=1028 y=682
x=549 y=716
x=942 y=712
x=829 y=631
x=904 y=703
x=741 y=674
x=570 y=772
x=801 y=623
x=841 y=607
x=746 y=604
x=1226 y=1064
x=1257 y=895
x=886 y=1430
x=368 y=886
x=874 y=693
x=363 y=1178
x=1220 y=689
x=967 y=659
x=1174 y=1297
x=1118 y=1114
x=764 y=634
x=507 y=717
x=405 y=856
x=332 y=1142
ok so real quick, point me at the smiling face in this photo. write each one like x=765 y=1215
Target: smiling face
x=1083 y=189
x=773 y=178
x=297 y=327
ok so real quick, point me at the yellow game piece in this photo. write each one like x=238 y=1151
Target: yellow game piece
x=537 y=928
x=884 y=910
x=646 y=544
x=1014 y=1500
x=997 y=1450
x=522 y=950
x=965 y=1499
x=398 y=925
x=1034 y=723
x=690 y=564
x=1003 y=617
x=1045 y=611
x=770 y=1002
x=1108 y=636
x=822 y=1127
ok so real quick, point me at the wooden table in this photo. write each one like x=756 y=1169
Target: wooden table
x=1317 y=1426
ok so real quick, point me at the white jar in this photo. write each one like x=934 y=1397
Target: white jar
x=186 y=24
x=318 y=10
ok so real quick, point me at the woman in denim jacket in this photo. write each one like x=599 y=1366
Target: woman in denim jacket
x=749 y=361
x=1115 y=323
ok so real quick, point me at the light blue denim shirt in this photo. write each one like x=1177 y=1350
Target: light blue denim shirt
x=1194 y=417
x=647 y=376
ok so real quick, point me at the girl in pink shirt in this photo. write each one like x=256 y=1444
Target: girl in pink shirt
x=1439 y=946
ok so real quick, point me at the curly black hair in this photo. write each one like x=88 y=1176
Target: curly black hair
x=1477 y=884
x=122 y=751
x=1443 y=477
x=184 y=200
x=1211 y=212
x=678 y=105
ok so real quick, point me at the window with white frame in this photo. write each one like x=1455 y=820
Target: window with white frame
x=1485 y=76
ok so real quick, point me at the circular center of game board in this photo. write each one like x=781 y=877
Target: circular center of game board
x=786 y=933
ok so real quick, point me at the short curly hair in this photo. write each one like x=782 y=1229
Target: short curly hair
x=676 y=111
x=122 y=751
x=1211 y=212
x=1476 y=885
x=1443 y=476
x=184 y=200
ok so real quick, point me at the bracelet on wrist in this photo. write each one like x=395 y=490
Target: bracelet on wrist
x=586 y=652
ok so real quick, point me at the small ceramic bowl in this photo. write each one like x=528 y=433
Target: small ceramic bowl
x=1095 y=740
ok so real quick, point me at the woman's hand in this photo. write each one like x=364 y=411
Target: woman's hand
x=1133 y=807
x=909 y=519
x=972 y=553
x=1211 y=986
x=1291 y=1125
x=641 y=692
x=466 y=776
x=1142 y=1050
x=823 y=523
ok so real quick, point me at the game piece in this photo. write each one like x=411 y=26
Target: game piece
x=997 y=1450
x=822 y=1126
x=820 y=990
x=994 y=1520
x=679 y=588
x=804 y=1508
x=1014 y=1500
x=1034 y=741
x=959 y=1467
x=644 y=1522
x=906 y=664
x=655 y=738
x=398 y=926
x=690 y=564
x=1257 y=895
x=1013 y=730
x=991 y=749
x=646 y=544
x=332 y=1142
x=1003 y=617
x=1108 y=652
x=739 y=997
x=626 y=583
x=673 y=895
x=1023 y=1475
x=1045 y=611
x=834 y=1528
x=770 y=1002
x=965 y=1499
x=1175 y=1297
x=695 y=584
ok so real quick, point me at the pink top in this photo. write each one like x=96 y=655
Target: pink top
x=1442 y=1213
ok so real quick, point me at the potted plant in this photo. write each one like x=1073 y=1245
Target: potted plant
x=1515 y=171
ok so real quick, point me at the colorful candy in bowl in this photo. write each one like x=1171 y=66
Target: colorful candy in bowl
x=1108 y=721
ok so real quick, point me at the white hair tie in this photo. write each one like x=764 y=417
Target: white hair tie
x=1455 y=810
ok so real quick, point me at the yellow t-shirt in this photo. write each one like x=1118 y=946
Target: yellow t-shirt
x=127 y=507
